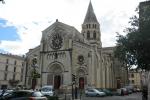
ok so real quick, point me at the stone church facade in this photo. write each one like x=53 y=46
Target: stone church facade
x=64 y=52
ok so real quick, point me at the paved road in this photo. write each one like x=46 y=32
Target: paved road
x=134 y=96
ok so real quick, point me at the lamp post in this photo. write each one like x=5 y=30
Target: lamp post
x=74 y=91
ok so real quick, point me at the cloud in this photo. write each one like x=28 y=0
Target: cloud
x=30 y=17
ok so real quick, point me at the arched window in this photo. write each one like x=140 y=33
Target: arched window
x=94 y=35
x=89 y=26
x=88 y=34
x=86 y=25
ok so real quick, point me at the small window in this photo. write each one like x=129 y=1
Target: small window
x=89 y=25
x=88 y=34
x=132 y=75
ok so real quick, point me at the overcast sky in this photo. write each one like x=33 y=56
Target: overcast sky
x=22 y=21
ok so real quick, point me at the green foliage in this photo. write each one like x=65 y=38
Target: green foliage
x=134 y=48
x=35 y=74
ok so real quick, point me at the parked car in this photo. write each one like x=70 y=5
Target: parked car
x=125 y=91
x=94 y=92
x=5 y=92
x=129 y=91
x=108 y=92
x=138 y=90
x=47 y=90
x=122 y=91
x=23 y=95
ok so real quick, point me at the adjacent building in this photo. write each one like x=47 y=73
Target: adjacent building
x=11 y=71
x=135 y=78
x=65 y=55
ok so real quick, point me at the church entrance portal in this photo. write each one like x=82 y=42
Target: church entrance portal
x=55 y=77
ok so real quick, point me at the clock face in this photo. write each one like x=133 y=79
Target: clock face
x=56 y=42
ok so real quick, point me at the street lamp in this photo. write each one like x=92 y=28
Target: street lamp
x=74 y=93
x=35 y=74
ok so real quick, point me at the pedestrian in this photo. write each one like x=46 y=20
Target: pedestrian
x=122 y=94
x=145 y=93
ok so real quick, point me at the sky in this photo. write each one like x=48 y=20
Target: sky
x=22 y=21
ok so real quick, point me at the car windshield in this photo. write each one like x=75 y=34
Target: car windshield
x=37 y=94
x=96 y=90
x=100 y=90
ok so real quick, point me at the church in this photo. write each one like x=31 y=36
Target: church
x=66 y=55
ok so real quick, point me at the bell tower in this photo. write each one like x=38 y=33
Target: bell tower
x=91 y=27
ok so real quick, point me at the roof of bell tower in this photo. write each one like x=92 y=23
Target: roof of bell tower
x=90 y=15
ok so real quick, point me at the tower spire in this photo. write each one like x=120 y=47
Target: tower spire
x=90 y=15
x=91 y=27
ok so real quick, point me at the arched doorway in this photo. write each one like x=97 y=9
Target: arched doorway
x=82 y=77
x=55 y=77
x=81 y=83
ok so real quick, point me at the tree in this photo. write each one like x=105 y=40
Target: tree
x=134 y=48
x=125 y=44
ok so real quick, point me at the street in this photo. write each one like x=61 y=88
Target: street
x=134 y=96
